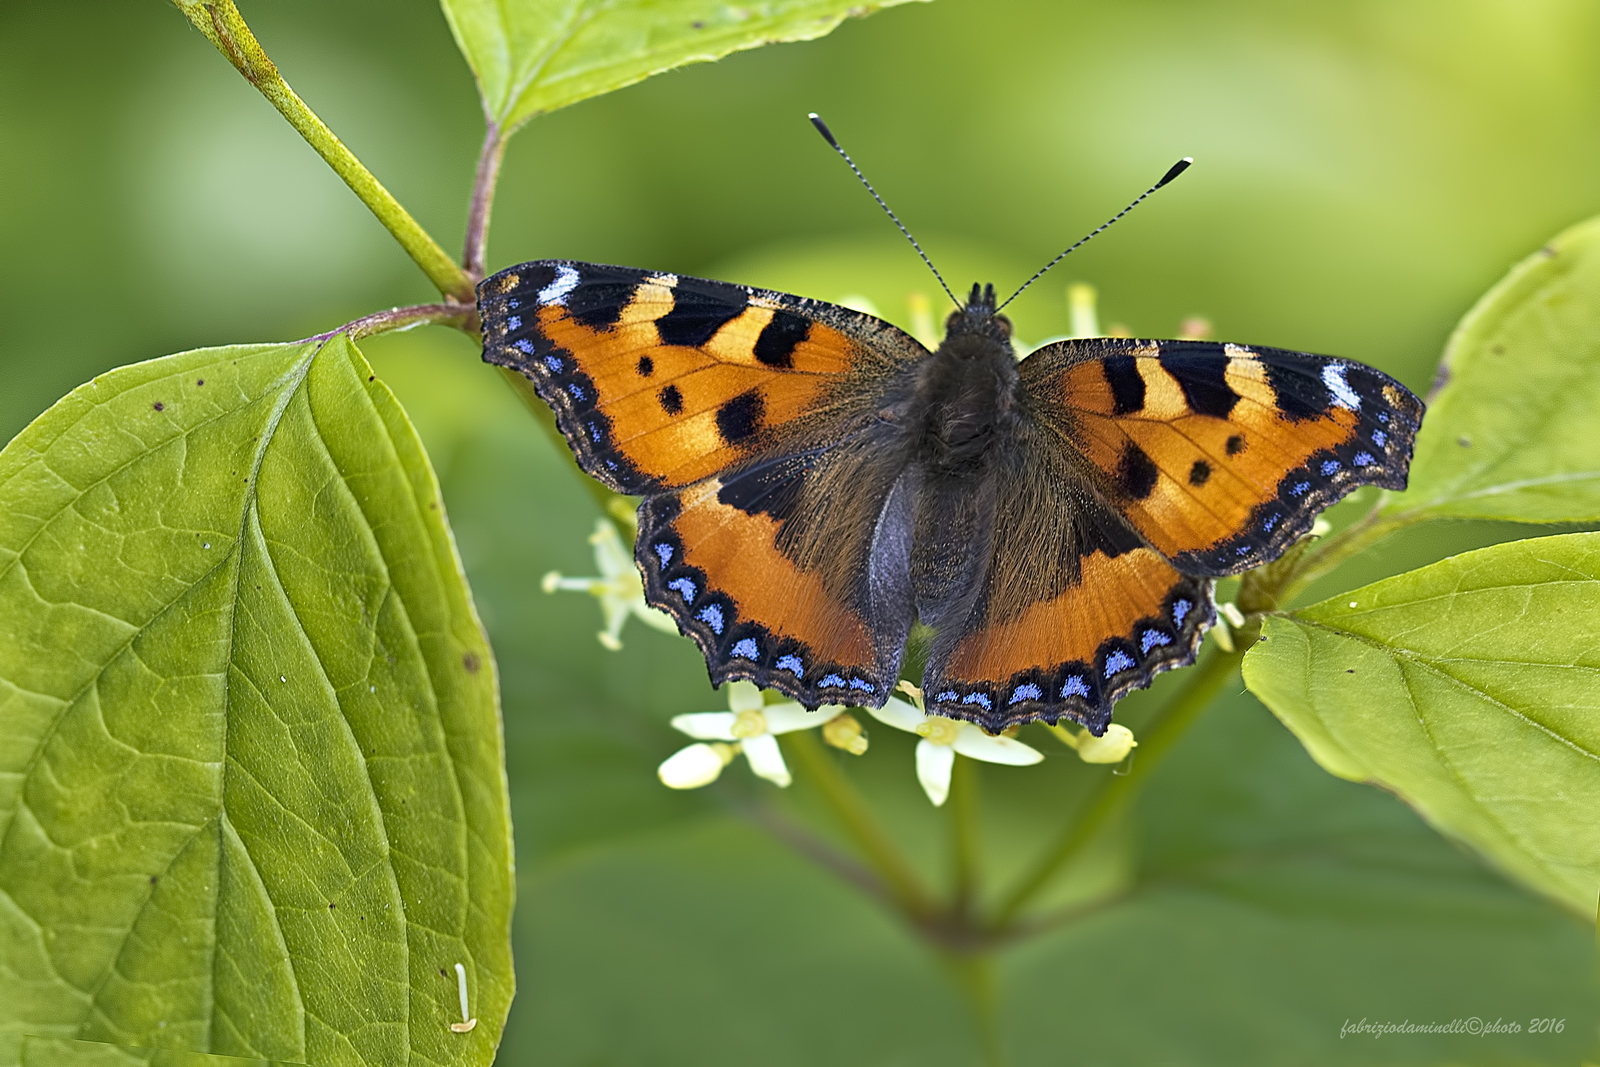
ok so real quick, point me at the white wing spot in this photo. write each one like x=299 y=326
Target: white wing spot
x=1343 y=395
x=556 y=292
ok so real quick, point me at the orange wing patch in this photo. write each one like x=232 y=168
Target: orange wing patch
x=1129 y=616
x=1114 y=594
x=756 y=613
x=1220 y=455
x=657 y=381
x=739 y=554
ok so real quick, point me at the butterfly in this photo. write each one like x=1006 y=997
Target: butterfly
x=815 y=480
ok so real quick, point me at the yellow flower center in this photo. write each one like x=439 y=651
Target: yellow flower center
x=939 y=730
x=750 y=723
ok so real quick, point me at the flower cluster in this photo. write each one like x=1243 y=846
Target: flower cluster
x=749 y=726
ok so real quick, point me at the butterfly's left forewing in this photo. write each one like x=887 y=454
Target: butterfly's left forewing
x=748 y=421
x=1222 y=455
x=1147 y=468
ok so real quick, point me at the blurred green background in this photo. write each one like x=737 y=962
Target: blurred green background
x=1364 y=171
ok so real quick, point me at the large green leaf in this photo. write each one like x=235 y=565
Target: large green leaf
x=1471 y=688
x=251 y=796
x=65 y=1052
x=533 y=56
x=1512 y=432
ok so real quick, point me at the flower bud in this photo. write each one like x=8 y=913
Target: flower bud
x=1111 y=747
x=844 y=731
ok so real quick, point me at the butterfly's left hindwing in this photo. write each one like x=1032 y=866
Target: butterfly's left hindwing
x=748 y=421
x=1073 y=610
x=1222 y=455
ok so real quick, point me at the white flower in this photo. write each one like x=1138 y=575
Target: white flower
x=748 y=726
x=942 y=738
x=619 y=588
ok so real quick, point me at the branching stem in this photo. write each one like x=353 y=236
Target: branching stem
x=462 y=316
x=974 y=975
x=483 y=186
x=1175 y=719
x=855 y=815
x=964 y=858
x=224 y=27
x=1330 y=553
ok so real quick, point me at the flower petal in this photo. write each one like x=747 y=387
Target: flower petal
x=706 y=725
x=654 y=618
x=765 y=759
x=897 y=713
x=788 y=717
x=615 y=613
x=690 y=768
x=609 y=555
x=933 y=770
x=744 y=696
x=973 y=742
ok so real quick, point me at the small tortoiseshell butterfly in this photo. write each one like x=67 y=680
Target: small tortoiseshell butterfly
x=815 y=480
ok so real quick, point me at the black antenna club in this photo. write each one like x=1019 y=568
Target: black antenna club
x=1176 y=169
x=827 y=135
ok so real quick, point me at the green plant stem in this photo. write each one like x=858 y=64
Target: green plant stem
x=855 y=815
x=1179 y=714
x=964 y=861
x=461 y=316
x=1275 y=585
x=974 y=975
x=483 y=187
x=224 y=27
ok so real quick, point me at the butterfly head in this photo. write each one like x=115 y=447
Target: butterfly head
x=979 y=317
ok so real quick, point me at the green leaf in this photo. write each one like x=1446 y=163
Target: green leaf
x=1511 y=434
x=50 y=1051
x=251 y=796
x=534 y=56
x=1471 y=688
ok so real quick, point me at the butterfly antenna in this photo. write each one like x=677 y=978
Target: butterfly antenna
x=1177 y=168
x=827 y=135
